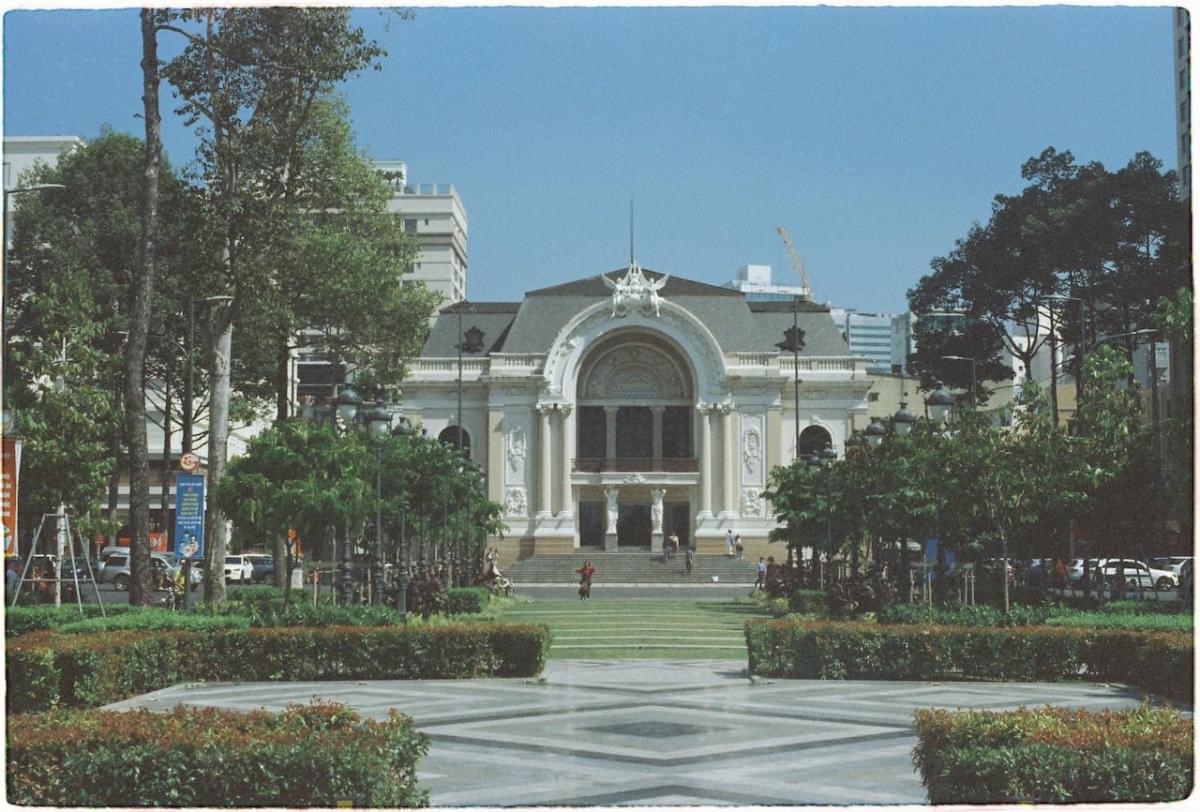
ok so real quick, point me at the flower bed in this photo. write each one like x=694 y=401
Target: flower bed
x=304 y=756
x=1160 y=662
x=1054 y=756
x=46 y=669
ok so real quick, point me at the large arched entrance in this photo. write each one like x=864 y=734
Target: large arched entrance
x=636 y=398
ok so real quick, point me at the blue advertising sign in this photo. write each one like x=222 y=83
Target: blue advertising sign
x=189 y=516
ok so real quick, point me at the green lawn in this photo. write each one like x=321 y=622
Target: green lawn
x=639 y=629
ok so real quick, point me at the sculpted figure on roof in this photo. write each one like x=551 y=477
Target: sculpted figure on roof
x=634 y=291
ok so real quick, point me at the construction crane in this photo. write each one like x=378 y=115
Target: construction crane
x=805 y=290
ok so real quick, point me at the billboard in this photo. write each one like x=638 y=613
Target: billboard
x=10 y=468
x=189 y=516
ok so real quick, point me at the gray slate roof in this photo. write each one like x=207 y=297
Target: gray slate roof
x=530 y=326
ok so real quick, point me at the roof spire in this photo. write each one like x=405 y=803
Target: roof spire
x=631 y=230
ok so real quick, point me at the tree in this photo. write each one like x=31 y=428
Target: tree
x=252 y=76
x=74 y=256
x=141 y=289
x=301 y=476
x=1113 y=241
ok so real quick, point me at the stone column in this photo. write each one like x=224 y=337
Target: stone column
x=729 y=460
x=706 y=462
x=567 y=506
x=656 y=413
x=656 y=518
x=545 y=474
x=610 y=432
x=610 y=528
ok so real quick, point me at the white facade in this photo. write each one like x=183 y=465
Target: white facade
x=435 y=213
x=643 y=411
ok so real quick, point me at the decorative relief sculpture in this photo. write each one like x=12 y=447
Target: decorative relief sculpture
x=637 y=372
x=752 y=503
x=656 y=509
x=514 y=502
x=611 y=495
x=517 y=447
x=635 y=292
x=635 y=479
x=752 y=450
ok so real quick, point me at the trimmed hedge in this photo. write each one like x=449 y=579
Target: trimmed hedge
x=47 y=669
x=21 y=620
x=304 y=756
x=978 y=615
x=154 y=621
x=1054 y=756
x=809 y=602
x=1160 y=662
x=468 y=600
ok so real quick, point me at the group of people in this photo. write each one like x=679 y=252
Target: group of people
x=733 y=545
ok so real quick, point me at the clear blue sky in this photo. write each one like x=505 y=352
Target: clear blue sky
x=875 y=136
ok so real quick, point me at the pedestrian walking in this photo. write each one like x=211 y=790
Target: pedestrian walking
x=761 y=568
x=674 y=540
x=689 y=559
x=585 y=580
x=729 y=543
x=11 y=576
x=737 y=547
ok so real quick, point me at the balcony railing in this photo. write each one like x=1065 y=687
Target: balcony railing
x=670 y=465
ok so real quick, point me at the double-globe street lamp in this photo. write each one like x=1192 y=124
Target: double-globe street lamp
x=374 y=422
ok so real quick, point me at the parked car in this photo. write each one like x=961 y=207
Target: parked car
x=115 y=569
x=1174 y=563
x=239 y=569
x=1137 y=573
x=262 y=568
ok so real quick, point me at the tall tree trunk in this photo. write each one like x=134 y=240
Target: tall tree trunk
x=140 y=290
x=165 y=476
x=220 y=339
x=282 y=361
x=1053 y=341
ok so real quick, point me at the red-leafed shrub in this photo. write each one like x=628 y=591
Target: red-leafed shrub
x=304 y=756
x=1054 y=755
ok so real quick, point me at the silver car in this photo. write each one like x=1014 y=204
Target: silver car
x=114 y=569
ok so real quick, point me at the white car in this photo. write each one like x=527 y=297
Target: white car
x=1174 y=563
x=1137 y=572
x=238 y=568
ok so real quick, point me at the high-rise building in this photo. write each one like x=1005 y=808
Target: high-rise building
x=435 y=214
x=869 y=335
x=904 y=340
x=1183 y=98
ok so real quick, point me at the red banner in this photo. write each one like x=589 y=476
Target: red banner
x=10 y=468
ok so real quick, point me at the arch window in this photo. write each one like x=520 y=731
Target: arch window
x=449 y=436
x=812 y=440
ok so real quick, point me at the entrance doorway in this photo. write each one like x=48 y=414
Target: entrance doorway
x=591 y=524
x=677 y=518
x=633 y=525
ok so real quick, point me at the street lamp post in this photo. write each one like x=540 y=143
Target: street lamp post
x=973 y=383
x=403 y=429
x=373 y=422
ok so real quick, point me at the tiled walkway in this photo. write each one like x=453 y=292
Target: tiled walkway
x=594 y=733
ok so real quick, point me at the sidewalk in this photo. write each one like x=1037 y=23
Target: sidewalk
x=657 y=732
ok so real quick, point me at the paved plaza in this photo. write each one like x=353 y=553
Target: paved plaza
x=655 y=732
